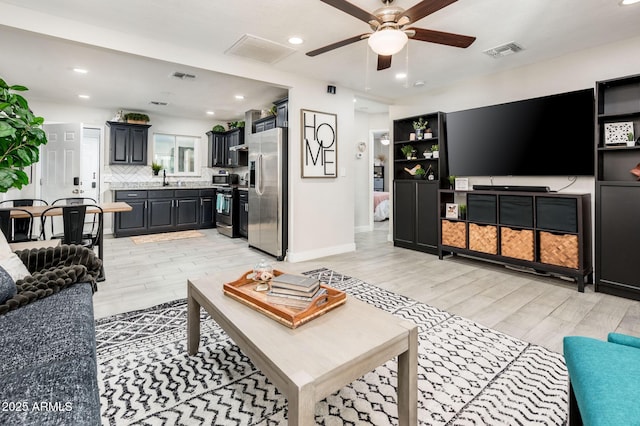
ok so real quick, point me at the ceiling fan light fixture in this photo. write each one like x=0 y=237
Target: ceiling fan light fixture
x=387 y=42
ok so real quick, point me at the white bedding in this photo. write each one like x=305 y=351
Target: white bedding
x=380 y=206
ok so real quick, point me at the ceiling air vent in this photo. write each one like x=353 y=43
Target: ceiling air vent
x=259 y=49
x=503 y=50
x=159 y=103
x=183 y=75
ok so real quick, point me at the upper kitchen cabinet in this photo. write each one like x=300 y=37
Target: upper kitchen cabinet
x=226 y=149
x=282 y=112
x=218 y=153
x=128 y=143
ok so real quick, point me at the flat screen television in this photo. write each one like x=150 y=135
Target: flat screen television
x=546 y=136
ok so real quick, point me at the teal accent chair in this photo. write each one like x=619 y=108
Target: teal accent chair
x=604 y=380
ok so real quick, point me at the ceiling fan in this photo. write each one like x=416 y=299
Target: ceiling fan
x=389 y=28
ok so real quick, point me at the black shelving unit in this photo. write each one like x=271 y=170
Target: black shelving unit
x=415 y=200
x=617 y=190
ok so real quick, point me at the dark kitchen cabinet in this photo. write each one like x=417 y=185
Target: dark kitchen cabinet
x=207 y=208
x=266 y=123
x=282 y=112
x=128 y=143
x=134 y=221
x=164 y=210
x=187 y=209
x=218 y=156
x=237 y=157
x=161 y=210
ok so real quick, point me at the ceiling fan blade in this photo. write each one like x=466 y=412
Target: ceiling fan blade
x=337 y=44
x=426 y=7
x=352 y=10
x=450 y=39
x=384 y=62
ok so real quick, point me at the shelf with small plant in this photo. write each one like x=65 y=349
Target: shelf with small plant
x=416 y=141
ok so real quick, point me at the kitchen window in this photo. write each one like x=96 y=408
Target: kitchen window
x=178 y=155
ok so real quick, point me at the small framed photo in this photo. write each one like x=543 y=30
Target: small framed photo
x=451 y=211
x=462 y=184
x=618 y=133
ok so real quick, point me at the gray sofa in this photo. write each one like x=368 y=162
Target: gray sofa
x=48 y=373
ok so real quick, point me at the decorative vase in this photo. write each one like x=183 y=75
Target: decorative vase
x=436 y=154
x=419 y=133
x=427 y=154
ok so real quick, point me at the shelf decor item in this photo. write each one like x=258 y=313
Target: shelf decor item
x=136 y=118
x=461 y=184
x=462 y=210
x=630 y=140
x=427 y=154
x=407 y=151
x=451 y=211
x=420 y=174
x=617 y=133
x=435 y=150
x=419 y=127
x=452 y=182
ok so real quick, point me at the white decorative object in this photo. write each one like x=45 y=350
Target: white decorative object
x=451 y=211
x=462 y=184
x=617 y=133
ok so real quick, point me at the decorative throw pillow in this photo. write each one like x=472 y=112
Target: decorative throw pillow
x=7 y=286
x=10 y=261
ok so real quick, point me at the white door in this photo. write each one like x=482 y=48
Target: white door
x=70 y=162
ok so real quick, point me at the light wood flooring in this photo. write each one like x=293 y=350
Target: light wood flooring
x=539 y=310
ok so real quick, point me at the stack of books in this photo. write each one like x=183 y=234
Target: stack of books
x=295 y=291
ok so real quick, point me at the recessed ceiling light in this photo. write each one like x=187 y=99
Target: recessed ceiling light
x=401 y=75
x=295 y=40
x=83 y=96
x=239 y=97
x=418 y=83
x=211 y=113
x=80 y=70
x=628 y=2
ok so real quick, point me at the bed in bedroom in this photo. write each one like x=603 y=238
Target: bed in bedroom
x=380 y=206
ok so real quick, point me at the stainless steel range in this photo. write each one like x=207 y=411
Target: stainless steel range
x=227 y=211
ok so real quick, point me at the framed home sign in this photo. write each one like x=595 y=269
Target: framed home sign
x=319 y=144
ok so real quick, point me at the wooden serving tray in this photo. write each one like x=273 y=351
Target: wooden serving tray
x=242 y=290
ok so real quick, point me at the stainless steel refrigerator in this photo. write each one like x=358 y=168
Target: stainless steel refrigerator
x=268 y=192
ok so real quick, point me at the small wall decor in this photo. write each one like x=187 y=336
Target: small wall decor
x=462 y=184
x=618 y=133
x=319 y=144
x=451 y=211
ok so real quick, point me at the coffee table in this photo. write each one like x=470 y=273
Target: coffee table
x=320 y=357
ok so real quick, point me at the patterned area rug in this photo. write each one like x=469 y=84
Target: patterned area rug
x=166 y=236
x=467 y=374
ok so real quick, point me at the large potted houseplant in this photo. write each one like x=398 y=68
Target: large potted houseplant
x=20 y=137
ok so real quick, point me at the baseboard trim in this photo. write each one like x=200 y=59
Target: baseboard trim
x=294 y=257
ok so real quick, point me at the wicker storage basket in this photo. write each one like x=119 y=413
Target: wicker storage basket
x=517 y=243
x=561 y=250
x=483 y=238
x=454 y=234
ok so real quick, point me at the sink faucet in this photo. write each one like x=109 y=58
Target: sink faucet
x=164 y=178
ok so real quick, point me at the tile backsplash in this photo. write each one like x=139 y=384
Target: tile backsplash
x=117 y=176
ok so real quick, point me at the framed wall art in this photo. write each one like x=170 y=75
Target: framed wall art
x=319 y=144
x=451 y=211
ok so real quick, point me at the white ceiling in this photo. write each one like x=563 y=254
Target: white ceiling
x=544 y=28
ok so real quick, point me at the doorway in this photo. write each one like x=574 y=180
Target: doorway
x=70 y=162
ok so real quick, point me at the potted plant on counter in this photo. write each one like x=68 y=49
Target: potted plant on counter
x=436 y=151
x=156 y=168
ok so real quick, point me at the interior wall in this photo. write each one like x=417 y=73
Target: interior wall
x=363 y=180
x=321 y=210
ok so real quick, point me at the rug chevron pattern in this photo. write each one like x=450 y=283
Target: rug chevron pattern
x=467 y=374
